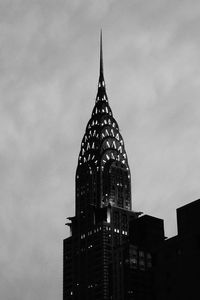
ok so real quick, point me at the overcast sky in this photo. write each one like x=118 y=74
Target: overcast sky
x=49 y=64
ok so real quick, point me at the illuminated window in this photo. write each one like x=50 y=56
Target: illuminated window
x=133 y=260
x=114 y=145
x=112 y=156
x=107 y=143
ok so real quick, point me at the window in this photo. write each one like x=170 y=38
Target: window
x=107 y=143
x=141 y=253
x=114 y=145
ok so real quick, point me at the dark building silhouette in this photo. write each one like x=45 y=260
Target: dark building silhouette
x=177 y=268
x=114 y=252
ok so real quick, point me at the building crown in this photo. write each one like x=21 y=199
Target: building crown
x=102 y=151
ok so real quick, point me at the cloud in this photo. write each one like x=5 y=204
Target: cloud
x=48 y=82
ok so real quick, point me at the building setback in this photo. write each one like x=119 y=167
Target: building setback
x=114 y=252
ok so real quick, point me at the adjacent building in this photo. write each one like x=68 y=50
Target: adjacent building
x=177 y=268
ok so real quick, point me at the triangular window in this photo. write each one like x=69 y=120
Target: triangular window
x=112 y=156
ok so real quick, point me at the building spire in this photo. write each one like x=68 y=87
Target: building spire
x=101 y=56
x=101 y=94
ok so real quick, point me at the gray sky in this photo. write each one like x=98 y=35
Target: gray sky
x=49 y=63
